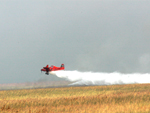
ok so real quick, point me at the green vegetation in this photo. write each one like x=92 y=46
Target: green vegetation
x=90 y=99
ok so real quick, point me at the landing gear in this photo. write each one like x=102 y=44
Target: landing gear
x=47 y=73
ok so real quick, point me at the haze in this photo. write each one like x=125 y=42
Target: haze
x=85 y=35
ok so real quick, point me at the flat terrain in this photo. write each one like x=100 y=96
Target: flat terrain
x=33 y=85
x=88 y=99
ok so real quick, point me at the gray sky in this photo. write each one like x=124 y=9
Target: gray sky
x=85 y=35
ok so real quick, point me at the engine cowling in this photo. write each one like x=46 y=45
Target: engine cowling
x=43 y=69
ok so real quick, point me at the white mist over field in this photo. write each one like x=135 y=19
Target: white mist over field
x=99 y=78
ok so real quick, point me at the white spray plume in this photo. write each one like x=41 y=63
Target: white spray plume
x=91 y=78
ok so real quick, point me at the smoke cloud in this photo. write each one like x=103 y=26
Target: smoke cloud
x=99 y=78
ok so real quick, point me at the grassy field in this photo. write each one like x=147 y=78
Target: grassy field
x=89 y=99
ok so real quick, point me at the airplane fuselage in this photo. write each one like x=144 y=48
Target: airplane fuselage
x=47 y=69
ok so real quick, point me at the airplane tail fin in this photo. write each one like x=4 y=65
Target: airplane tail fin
x=62 y=65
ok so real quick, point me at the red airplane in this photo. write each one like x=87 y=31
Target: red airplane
x=47 y=69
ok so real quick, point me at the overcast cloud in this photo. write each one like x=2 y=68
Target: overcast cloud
x=85 y=35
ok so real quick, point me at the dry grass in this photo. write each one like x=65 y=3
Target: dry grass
x=92 y=99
